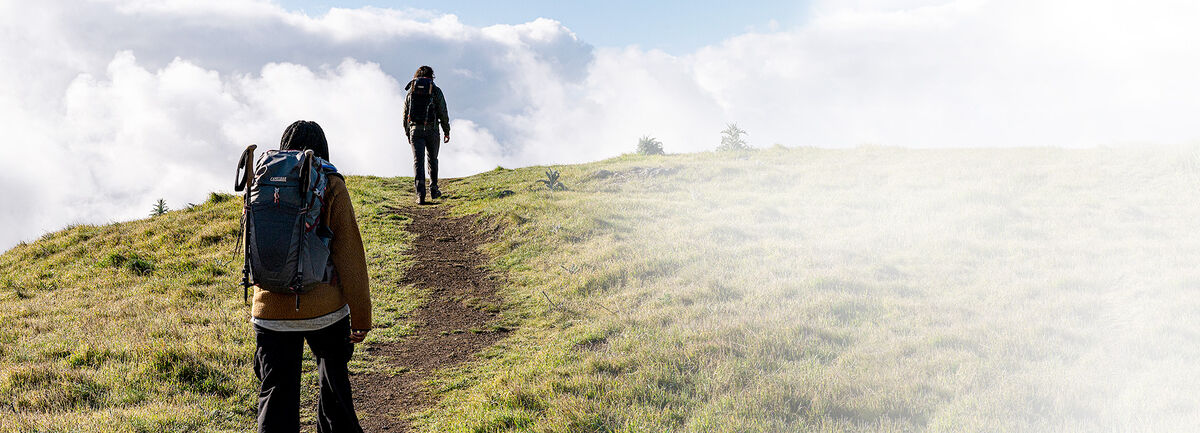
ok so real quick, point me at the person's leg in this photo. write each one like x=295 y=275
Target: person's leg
x=418 y=147
x=432 y=144
x=277 y=365
x=335 y=408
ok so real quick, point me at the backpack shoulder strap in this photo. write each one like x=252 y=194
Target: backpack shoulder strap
x=329 y=169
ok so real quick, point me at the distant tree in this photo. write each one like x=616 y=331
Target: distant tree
x=160 y=207
x=731 y=138
x=648 y=145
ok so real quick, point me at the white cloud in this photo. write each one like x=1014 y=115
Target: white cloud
x=965 y=73
x=121 y=102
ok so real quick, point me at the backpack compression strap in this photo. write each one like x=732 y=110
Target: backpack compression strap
x=428 y=107
x=306 y=198
x=429 y=110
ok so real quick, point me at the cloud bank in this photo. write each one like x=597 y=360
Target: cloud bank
x=109 y=105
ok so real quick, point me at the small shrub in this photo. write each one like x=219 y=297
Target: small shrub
x=648 y=145
x=216 y=197
x=731 y=138
x=551 y=181
x=160 y=208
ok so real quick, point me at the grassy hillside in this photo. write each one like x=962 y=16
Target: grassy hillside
x=777 y=290
x=141 y=326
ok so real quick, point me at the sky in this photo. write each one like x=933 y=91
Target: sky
x=676 y=27
x=110 y=105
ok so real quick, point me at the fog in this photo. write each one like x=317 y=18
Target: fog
x=110 y=105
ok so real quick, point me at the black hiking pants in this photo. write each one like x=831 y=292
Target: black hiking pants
x=277 y=365
x=425 y=141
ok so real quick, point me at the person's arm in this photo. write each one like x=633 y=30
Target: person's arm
x=404 y=120
x=443 y=116
x=346 y=249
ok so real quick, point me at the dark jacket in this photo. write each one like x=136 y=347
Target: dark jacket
x=439 y=108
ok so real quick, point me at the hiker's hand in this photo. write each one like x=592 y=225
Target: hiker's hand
x=358 y=335
x=447 y=139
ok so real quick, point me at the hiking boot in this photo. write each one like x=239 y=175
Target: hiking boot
x=435 y=193
x=421 y=199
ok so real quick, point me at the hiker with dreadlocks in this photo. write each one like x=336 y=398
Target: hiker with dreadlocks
x=424 y=111
x=329 y=305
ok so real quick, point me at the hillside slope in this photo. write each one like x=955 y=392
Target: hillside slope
x=141 y=326
x=776 y=290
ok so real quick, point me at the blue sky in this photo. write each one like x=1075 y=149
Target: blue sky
x=677 y=27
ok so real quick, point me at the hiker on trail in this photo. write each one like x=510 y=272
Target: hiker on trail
x=330 y=316
x=424 y=110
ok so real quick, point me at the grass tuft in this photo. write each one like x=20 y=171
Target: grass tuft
x=87 y=355
x=42 y=389
x=189 y=371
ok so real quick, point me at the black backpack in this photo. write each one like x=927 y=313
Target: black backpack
x=287 y=244
x=420 y=101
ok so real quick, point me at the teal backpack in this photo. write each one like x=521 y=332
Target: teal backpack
x=287 y=244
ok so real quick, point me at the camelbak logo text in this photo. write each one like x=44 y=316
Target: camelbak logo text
x=279 y=179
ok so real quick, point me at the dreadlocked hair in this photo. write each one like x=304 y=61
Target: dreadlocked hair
x=305 y=135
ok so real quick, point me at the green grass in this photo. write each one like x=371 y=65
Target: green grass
x=140 y=326
x=871 y=289
x=863 y=290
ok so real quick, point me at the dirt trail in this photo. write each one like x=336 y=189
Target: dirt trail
x=450 y=269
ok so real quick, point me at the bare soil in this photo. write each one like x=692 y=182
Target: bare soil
x=451 y=325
